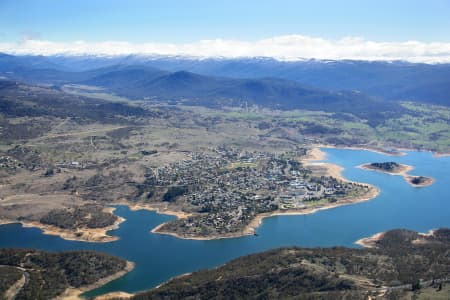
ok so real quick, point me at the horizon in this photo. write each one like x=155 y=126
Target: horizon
x=283 y=48
x=412 y=31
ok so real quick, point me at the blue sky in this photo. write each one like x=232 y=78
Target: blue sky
x=184 y=21
x=412 y=30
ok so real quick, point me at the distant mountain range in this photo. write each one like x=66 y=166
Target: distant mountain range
x=195 y=89
x=267 y=79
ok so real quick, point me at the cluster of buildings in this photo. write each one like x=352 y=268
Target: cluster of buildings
x=228 y=187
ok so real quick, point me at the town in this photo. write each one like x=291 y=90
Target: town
x=225 y=189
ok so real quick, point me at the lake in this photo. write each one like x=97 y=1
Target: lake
x=160 y=257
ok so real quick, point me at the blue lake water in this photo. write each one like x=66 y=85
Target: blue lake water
x=159 y=257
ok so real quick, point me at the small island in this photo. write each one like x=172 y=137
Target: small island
x=394 y=168
x=388 y=167
x=419 y=181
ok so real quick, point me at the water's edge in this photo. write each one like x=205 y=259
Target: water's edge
x=159 y=257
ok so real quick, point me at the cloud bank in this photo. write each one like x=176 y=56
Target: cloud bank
x=286 y=48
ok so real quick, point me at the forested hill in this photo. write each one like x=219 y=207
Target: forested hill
x=195 y=89
x=394 y=80
x=403 y=261
x=47 y=275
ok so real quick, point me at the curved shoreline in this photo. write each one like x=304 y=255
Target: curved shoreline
x=158 y=208
x=75 y=293
x=371 y=241
x=91 y=235
x=403 y=172
x=397 y=152
x=314 y=154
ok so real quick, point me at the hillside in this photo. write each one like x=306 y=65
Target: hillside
x=195 y=89
x=22 y=100
x=403 y=261
x=48 y=275
x=428 y=83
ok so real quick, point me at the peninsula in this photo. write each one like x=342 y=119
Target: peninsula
x=87 y=223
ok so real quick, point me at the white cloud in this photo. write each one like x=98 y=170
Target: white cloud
x=286 y=47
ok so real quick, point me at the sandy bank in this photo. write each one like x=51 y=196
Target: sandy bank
x=371 y=242
x=393 y=152
x=114 y=295
x=333 y=170
x=97 y=235
x=74 y=293
x=160 y=208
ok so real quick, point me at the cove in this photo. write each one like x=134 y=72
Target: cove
x=160 y=257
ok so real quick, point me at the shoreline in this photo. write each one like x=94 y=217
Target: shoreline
x=125 y=295
x=404 y=172
x=428 y=181
x=405 y=169
x=114 y=295
x=158 y=208
x=314 y=154
x=90 y=235
x=437 y=154
x=371 y=241
x=398 y=151
x=250 y=229
x=75 y=293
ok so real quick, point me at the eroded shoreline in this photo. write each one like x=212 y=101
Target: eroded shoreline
x=371 y=241
x=313 y=158
x=75 y=293
x=92 y=235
